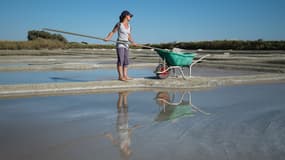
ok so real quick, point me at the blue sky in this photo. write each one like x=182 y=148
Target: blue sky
x=154 y=21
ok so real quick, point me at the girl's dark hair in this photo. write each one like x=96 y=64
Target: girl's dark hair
x=122 y=18
x=124 y=14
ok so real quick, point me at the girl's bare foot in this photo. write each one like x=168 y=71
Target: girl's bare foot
x=128 y=78
x=122 y=79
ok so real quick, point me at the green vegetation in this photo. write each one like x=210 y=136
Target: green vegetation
x=46 y=40
x=47 y=44
x=226 y=44
x=41 y=43
x=35 y=44
x=34 y=35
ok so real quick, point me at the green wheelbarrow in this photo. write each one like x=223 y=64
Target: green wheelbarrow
x=175 y=60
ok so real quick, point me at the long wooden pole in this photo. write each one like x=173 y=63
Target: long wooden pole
x=94 y=37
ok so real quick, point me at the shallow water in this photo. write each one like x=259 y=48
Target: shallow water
x=244 y=122
x=67 y=76
x=100 y=74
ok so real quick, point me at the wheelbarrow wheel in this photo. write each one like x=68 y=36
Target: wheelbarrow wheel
x=162 y=68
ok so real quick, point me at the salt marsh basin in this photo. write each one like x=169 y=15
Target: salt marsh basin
x=234 y=122
x=67 y=104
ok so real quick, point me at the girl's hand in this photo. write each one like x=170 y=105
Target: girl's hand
x=134 y=44
x=106 y=39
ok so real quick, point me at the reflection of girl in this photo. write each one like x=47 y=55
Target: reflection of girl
x=124 y=132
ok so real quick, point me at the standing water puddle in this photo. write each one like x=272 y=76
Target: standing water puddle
x=239 y=122
x=67 y=76
x=100 y=74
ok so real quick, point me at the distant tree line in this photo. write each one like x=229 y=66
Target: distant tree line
x=34 y=35
x=34 y=44
x=48 y=44
x=226 y=45
x=46 y=40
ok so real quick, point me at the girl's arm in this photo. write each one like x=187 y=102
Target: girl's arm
x=131 y=40
x=110 y=137
x=110 y=35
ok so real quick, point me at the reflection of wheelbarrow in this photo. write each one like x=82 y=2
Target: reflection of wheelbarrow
x=175 y=110
x=175 y=60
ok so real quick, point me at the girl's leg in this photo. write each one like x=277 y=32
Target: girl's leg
x=120 y=72
x=120 y=54
x=125 y=69
x=126 y=63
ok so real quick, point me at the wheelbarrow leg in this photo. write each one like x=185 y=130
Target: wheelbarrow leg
x=180 y=70
x=195 y=107
x=190 y=67
x=174 y=72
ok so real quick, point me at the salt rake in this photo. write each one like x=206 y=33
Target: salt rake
x=94 y=37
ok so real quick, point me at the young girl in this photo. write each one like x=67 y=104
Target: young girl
x=124 y=36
